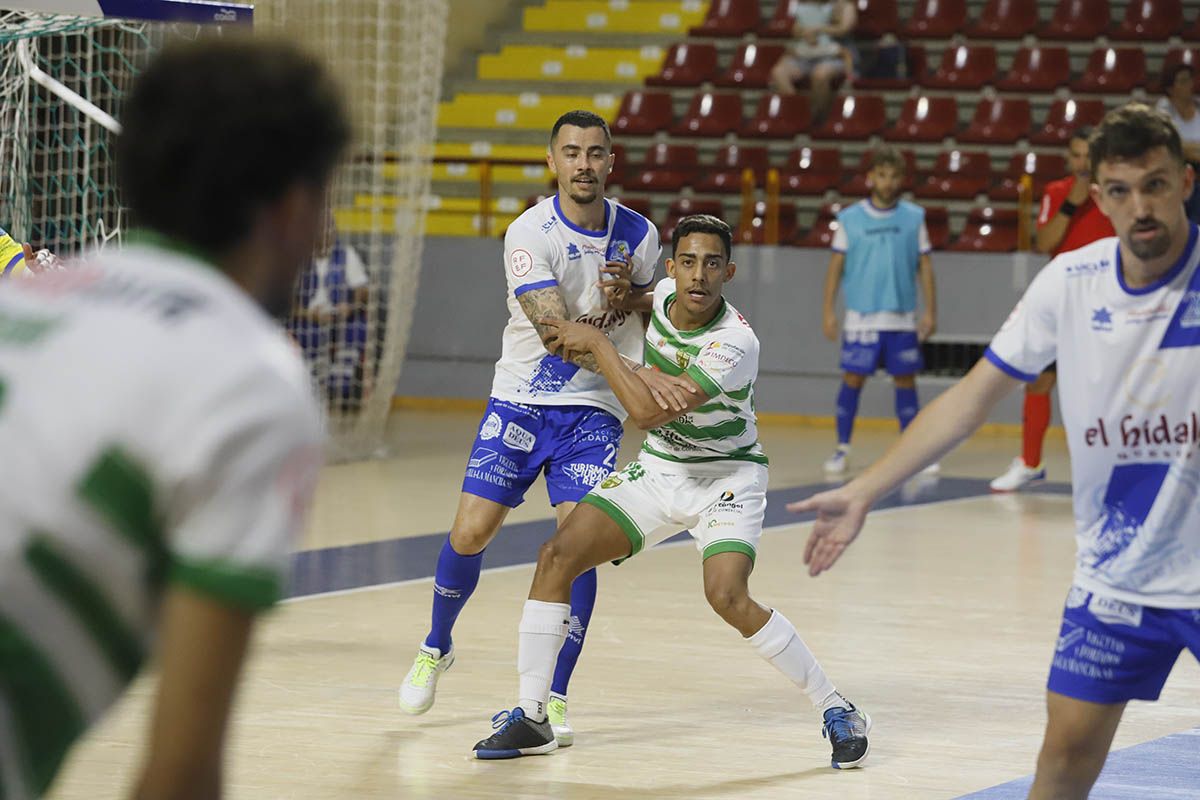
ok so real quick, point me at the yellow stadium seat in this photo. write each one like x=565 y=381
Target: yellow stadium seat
x=616 y=16
x=526 y=111
x=574 y=63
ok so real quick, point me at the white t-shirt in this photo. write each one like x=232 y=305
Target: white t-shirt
x=857 y=322
x=157 y=428
x=1129 y=387
x=1189 y=129
x=355 y=275
x=543 y=249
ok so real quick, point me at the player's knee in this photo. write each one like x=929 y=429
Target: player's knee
x=854 y=380
x=905 y=381
x=556 y=559
x=730 y=602
x=1072 y=762
x=467 y=540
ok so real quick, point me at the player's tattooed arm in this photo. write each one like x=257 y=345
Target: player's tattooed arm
x=548 y=303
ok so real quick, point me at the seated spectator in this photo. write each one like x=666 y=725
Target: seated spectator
x=817 y=54
x=1179 y=103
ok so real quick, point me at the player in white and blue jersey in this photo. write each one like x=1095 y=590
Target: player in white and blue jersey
x=546 y=415
x=880 y=252
x=1122 y=316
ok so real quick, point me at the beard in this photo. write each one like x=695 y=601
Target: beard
x=1147 y=249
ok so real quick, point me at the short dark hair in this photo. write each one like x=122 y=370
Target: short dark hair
x=581 y=119
x=1083 y=133
x=1130 y=132
x=703 y=223
x=887 y=156
x=214 y=131
x=1169 y=75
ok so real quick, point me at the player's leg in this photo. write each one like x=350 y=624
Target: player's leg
x=902 y=359
x=1078 y=735
x=860 y=357
x=1035 y=421
x=785 y=74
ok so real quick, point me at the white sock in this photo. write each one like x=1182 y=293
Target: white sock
x=778 y=643
x=543 y=631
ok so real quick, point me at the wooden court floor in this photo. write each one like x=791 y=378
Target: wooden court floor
x=940 y=622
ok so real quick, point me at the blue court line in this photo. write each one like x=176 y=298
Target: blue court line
x=357 y=566
x=1164 y=769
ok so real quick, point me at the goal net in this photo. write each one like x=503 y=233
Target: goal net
x=62 y=80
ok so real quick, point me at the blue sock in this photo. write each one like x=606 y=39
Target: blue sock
x=455 y=580
x=847 y=410
x=906 y=405
x=583 y=600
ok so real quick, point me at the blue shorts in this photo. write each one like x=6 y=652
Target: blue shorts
x=576 y=446
x=899 y=352
x=1109 y=651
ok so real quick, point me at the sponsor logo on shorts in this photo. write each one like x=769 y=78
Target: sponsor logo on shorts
x=911 y=355
x=727 y=496
x=1077 y=597
x=520 y=262
x=489 y=466
x=491 y=427
x=1115 y=612
x=482 y=456
x=1070 y=638
x=634 y=471
x=714 y=523
x=1087 y=653
x=585 y=474
x=518 y=438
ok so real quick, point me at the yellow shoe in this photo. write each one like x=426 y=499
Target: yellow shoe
x=556 y=712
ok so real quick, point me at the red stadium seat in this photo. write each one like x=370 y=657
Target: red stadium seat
x=1005 y=19
x=853 y=117
x=685 y=207
x=620 y=166
x=780 y=25
x=936 y=19
x=1037 y=69
x=788 y=230
x=779 y=116
x=957 y=175
x=686 y=64
x=1077 y=21
x=925 y=119
x=875 y=18
x=856 y=186
x=724 y=176
x=711 y=115
x=643 y=113
x=810 y=171
x=1192 y=32
x=916 y=68
x=1149 y=21
x=988 y=230
x=1112 y=71
x=729 y=18
x=1042 y=167
x=751 y=66
x=1175 y=57
x=639 y=204
x=1000 y=120
x=937 y=225
x=1064 y=116
x=964 y=67
x=665 y=168
x=821 y=233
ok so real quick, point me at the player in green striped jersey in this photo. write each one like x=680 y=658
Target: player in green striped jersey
x=701 y=470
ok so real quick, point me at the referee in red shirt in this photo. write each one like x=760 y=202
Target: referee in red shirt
x=1067 y=220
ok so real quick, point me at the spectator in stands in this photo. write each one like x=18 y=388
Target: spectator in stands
x=818 y=53
x=1067 y=220
x=1179 y=103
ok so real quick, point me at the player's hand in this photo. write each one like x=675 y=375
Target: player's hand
x=670 y=392
x=569 y=339
x=926 y=326
x=1080 y=189
x=618 y=285
x=829 y=327
x=840 y=517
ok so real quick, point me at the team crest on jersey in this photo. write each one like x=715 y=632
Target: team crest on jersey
x=682 y=359
x=573 y=253
x=619 y=251
x=611 y=482
x=1102 y=319
x=491 y=427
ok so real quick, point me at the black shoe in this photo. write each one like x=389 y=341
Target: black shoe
x=516 y=735
x=847 y=729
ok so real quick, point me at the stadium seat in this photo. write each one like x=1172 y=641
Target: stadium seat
x=821 y=233
x=686 y=64
x=988 y=230
x=643 y=113
x=925 y=119
x=620 y=169
x=711 y=115
x=1149 y=21
x=685 y=207
x=788 y=229
x=1076 y=21
x=856 y=186
x=875 y=18
x=999 y=120
x=935 y=19
x=1064 y=116
x=957 y=175
x=810 y=171
x=1005 y=19
x=1042 y=167
x=665 y=168
x=963 y=67
x=779 y=116
x=915 y=68
x=781 y=23
x=853 y=117
x=1174 y=58
x=724 y=175
x=1037 y=69
x=729 y=18
x=1192 y=32
x=937 y=225
x=1112 y=70
x=751 y=66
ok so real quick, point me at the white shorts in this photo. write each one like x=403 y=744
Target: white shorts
x=723 y=514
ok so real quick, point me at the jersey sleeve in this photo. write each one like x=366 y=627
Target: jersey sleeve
x=840 y=243
x=243 y=478
x=645 y=258
x=1052 y=198
x=923 y=243
x=1027 y=342
x=527 y=260
x=728 y=362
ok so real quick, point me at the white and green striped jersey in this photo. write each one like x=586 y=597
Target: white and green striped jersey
x=157 y=430
x=722 y=357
